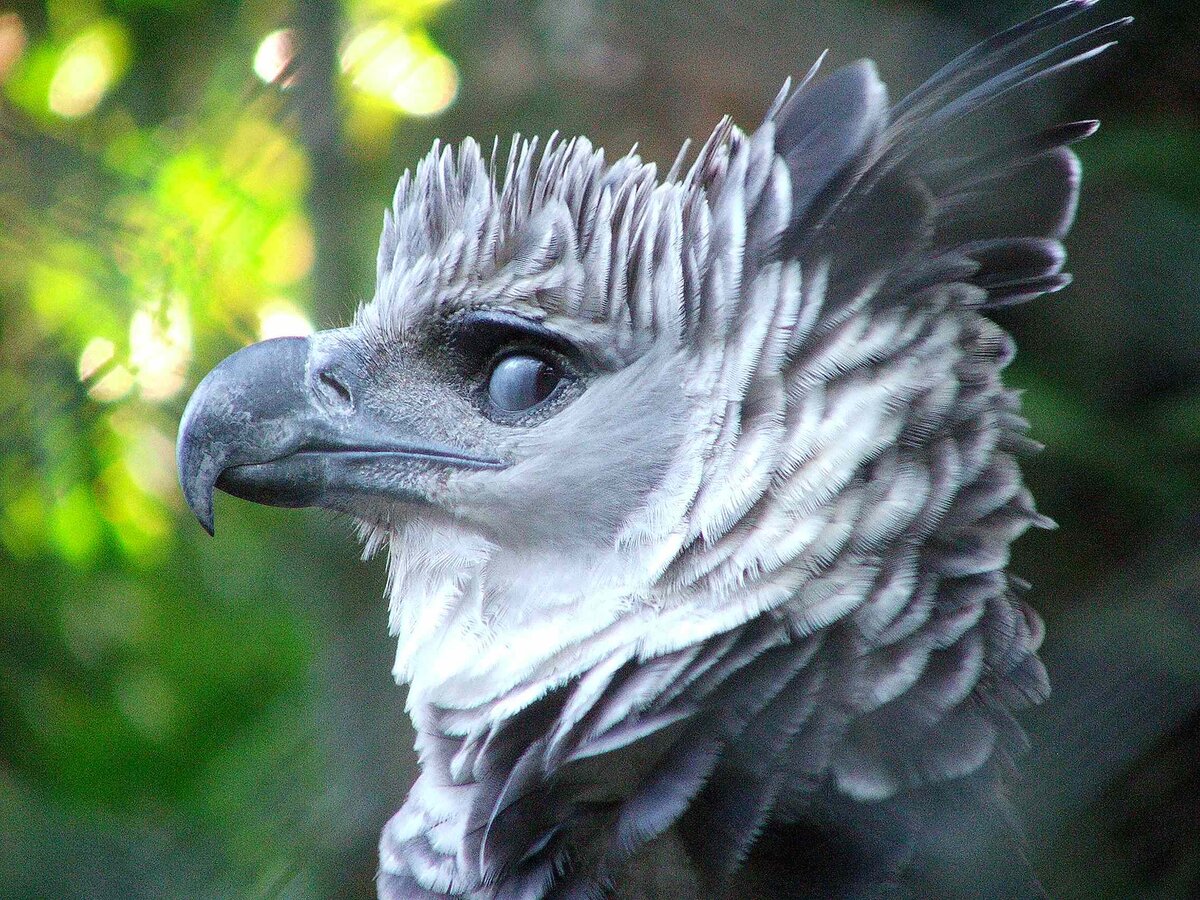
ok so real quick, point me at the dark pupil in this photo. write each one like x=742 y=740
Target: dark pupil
x=521 y=382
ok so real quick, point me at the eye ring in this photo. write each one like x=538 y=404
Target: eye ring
x=520 y=381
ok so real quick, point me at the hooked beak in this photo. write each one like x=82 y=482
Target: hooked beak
x=270 y=426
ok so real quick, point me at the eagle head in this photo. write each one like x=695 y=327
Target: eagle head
x=535 y=411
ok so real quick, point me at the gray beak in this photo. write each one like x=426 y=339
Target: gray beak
x=270 y=426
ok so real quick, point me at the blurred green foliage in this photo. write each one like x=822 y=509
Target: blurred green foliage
x=182 y=716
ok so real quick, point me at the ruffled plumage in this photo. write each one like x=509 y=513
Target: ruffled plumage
x=825 y=643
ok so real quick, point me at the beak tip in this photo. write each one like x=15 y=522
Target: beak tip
x=196 y=479
x=200 y=501
x=222 y=425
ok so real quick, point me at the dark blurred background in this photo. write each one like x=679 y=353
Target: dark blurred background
x=184 y=716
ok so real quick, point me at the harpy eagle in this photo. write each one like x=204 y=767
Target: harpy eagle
x=697 y=490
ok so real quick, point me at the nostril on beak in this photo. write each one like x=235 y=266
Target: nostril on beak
x=333 y=390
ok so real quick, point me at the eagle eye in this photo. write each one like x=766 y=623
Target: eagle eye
x=520 y=381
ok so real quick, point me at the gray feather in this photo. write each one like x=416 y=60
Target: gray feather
x=748 y=615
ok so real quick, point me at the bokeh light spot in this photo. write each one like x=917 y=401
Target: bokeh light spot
x=274 y=57
x=403 y=69
x=160 y=347
x=98 y=351
x=113 y=386
x=88 y=68
x=12 y=42
x=279 y=318
x=429 y=88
